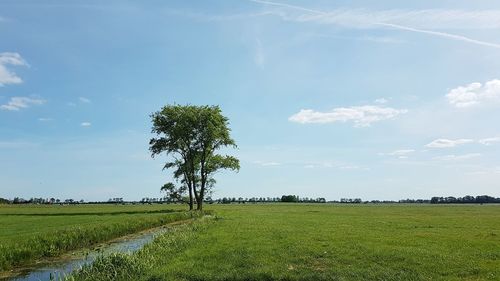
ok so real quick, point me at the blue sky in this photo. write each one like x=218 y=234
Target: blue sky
x=370 y=99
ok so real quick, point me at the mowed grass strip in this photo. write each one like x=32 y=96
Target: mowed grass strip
x=320 y=242
x=24 y=239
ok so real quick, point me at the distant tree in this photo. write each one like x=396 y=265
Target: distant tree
x=289 y=198
x=191 y=136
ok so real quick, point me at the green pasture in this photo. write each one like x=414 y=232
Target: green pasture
x=320 y=242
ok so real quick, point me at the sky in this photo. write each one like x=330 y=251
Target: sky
x=338 y=99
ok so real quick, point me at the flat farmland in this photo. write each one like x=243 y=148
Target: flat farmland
x=320 y=242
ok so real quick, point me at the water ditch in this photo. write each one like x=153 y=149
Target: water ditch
x=57 y=268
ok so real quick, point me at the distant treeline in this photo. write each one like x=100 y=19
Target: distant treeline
x=18 y=200
x=481 y=199
x=284 y=198
x=465 y=200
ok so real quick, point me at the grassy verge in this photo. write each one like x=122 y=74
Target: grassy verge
x=320 y=242
x=142 y=265
x=50 y=244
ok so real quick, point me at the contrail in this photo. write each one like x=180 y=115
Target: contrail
x=442 y=34
x=395 y=26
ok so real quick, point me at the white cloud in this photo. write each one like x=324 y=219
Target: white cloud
x=475 y=94
x=7 y=76
x=489 y=141
x=84 y=100
x=361 y=116
x=381 y=101
x=266 y=163
x=400 y=153
x=407 y=20
x=453 y=157
x=445 y=143
x=86 y=124
x=44 y=119
x=17 y=103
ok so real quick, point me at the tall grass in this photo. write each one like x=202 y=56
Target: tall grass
x=141 y=265
x=54 y=244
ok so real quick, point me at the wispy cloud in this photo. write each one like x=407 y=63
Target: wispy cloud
x=381 y=101
x=45 y=119
x=400 y=153
x=453 y=157
x=18 y=103
x=86 y=124
x=447 y=143
x=489 y=141
x=267 y=163
x=475 y=94
x=407 y=20
x=7 y=76
x=361 y=116
x=84 y=100
x=331 y=165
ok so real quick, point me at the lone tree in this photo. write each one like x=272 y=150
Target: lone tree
x=191 y=136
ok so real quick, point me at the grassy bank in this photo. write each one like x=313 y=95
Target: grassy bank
x=320 y=242
x=34 y=233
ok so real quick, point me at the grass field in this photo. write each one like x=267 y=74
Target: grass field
x=320 y=242
x=32 y=232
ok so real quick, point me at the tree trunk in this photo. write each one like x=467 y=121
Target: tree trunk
x=196 y=195
x=190 y=187
x=200 y=205
x=202 y=187
x=190 y=197
x=193 y=181
x=202 y=193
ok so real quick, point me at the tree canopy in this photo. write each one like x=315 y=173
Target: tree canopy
x=191 y=137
